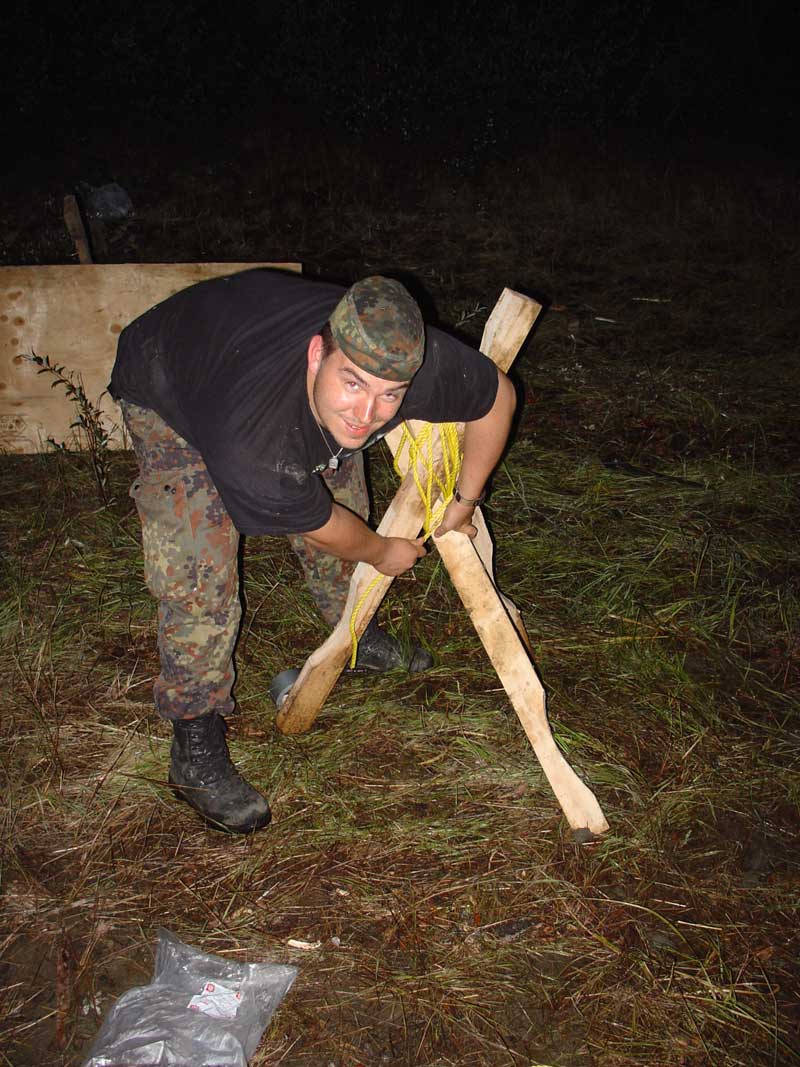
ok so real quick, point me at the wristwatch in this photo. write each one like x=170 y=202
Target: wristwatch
x=466 y=500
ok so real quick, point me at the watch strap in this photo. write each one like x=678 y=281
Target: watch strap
x=466 y=500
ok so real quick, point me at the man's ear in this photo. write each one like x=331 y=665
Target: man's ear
x=315 y=350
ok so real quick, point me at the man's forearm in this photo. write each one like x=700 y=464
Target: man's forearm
x=485 y=439
x=347 y=536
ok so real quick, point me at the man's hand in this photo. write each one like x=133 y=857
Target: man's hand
x=398 y=555
x=456 y=517
x=347 y=536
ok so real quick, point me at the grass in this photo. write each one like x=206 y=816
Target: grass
x=646 y=524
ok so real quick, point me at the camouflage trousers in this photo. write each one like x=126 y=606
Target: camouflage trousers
x=191 y=564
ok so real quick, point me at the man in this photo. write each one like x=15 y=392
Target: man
x=249 y=400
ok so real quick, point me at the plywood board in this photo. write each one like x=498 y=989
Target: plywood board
x=74 y=314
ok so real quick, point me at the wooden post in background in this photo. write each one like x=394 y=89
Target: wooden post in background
x=73 y=220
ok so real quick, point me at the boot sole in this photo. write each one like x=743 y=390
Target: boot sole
x=214 y=824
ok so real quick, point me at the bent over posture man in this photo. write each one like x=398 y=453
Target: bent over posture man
x=249 y=400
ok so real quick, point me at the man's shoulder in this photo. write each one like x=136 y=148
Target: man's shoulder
x=448 y=355
x=456 y=382
x=260 y=291
x=266 y=282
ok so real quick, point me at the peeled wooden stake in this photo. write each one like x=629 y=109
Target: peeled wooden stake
x=504 y=646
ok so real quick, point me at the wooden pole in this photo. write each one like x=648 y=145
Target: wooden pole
x=510 y=658
x=73 y=220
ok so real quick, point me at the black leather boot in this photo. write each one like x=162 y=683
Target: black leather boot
x=202 y=774
x=379 y=651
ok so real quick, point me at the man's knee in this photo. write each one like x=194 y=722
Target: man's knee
x=190 y=544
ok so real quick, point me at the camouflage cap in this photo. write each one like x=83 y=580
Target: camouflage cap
x=378 y=326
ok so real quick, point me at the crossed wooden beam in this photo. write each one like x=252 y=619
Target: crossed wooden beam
x=470 y=566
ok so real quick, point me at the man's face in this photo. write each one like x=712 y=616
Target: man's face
x=347 y=401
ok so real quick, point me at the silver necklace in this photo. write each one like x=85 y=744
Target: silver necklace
x=333 y=462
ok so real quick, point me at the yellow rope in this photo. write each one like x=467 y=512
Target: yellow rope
x=420 y=455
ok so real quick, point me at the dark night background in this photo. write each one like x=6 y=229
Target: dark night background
x=475 y=76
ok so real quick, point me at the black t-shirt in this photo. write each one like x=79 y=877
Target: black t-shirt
x=224 y=364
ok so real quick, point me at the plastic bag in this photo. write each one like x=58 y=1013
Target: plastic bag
x=106 y=202
x=199 y=1009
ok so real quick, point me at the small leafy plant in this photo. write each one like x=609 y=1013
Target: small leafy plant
x=89 y=421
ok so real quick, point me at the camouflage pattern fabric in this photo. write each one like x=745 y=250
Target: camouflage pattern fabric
x=191 y=565
x=378 y=326
x=328 y=577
